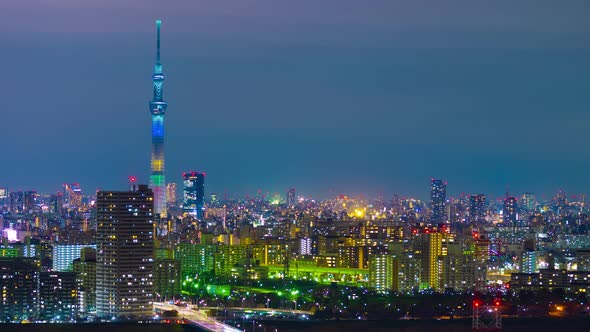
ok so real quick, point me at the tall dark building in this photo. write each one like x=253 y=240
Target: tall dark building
x=438 y=196
x=125 y=245
x=19 y=278
x=58 y=296
x=509 y=213
x=194 y=193
x=477 y=209
x=167 y=278
x=16 y=202
x=291 y=199
x=29 y=201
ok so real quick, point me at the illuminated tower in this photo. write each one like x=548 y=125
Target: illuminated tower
x=158 y=110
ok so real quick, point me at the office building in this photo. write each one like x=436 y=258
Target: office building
x=194 y=193
x=438 y=196
x=477 y=209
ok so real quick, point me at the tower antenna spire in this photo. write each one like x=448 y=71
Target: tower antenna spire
x=158 y=24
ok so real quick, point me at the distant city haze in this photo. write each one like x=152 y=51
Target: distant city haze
x=326 y=96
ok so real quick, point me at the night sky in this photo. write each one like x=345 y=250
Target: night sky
x=331 y=96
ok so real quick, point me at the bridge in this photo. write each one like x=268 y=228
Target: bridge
x=266 y=310
x=196 y=318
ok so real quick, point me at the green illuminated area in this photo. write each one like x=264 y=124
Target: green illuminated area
x=9 y=252
x=157 y=180
x=322 y=275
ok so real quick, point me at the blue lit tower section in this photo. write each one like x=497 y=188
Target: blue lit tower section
x=158 y=110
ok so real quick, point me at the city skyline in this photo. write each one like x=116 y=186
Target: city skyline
x=326 y=165
x=501 y=103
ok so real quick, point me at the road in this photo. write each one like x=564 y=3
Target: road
x=197 y=318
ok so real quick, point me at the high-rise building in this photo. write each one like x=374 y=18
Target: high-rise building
x=528 y=262
x=29 y=201
x=57 y=202
x=85 y=268
x=171 y=194
x=195 y=258
x=227 y=258
x=65 y=254
x=433 y=244
x=477 y=209
x=382 y=272
x=481 y=253
x=125 y=247
x=438 y=196
x=291 y=199
x=194 y=193
x=19 y=278
x=72 y=196
x=305 y=246
x=3 y=197
x=409 y=275
x=16 y=202
x=58 y=296
x=458 y=270
x=354 y=257
x=527 y=202
x=166 y=278
x=509 y=213
x=158 y=109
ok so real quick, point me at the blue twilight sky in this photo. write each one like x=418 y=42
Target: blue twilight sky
x=331 y=96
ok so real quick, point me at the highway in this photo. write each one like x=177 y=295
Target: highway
x=197 y=318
